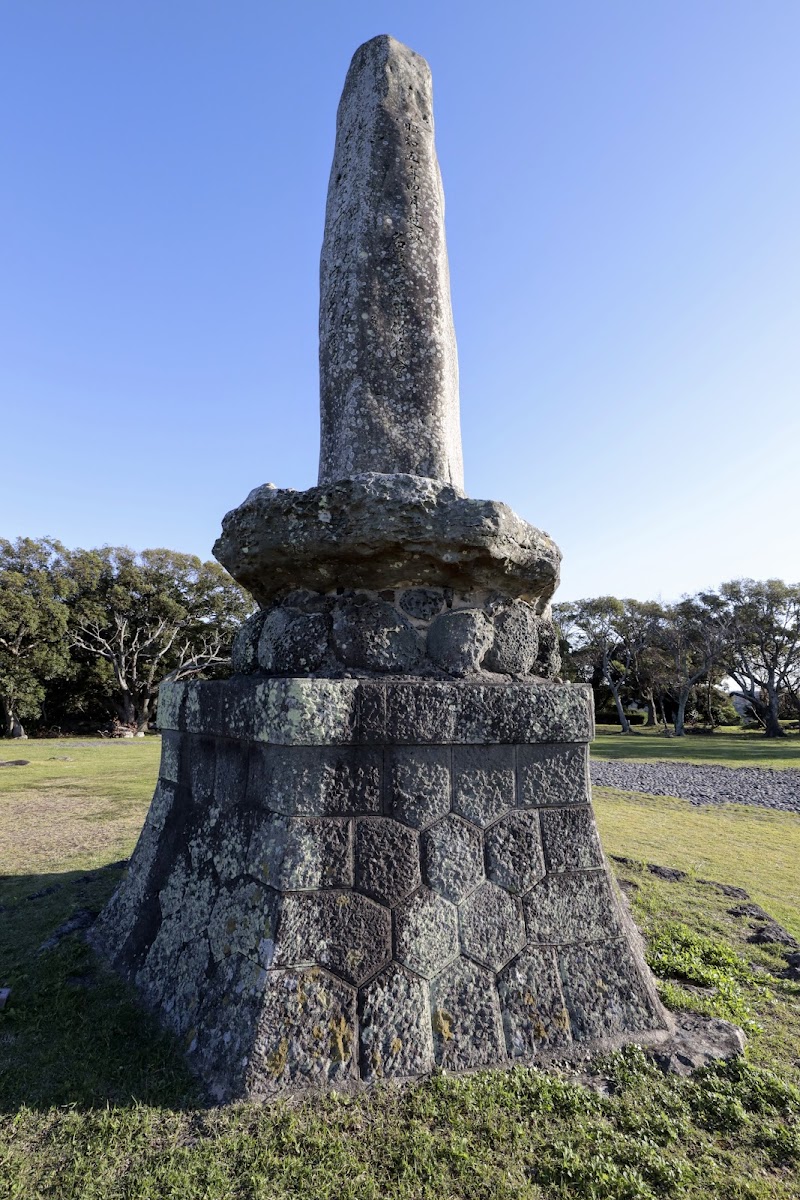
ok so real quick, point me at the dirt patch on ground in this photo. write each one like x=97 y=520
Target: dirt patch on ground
x=44 y=831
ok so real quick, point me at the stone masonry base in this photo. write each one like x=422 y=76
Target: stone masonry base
x=341 y=881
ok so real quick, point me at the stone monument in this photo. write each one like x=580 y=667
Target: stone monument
x=372 y=851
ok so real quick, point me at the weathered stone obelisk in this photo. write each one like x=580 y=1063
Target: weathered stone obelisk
x=373 y=849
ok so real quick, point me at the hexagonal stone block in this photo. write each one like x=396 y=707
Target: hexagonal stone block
x=607 y=991
x=173 y=975
x=343 y=931
x=553 y=775
x=306 y=1033
x=395 y=1026
x=483 y=782
x=418 y=783
x=387 y=859
x=465 y=1011
x=244 y=921
x=426 y=933
x=452 y=855
x=514 y=855
x=301 y=853
x=570 y=840
x=316 y=781
x=535 y=1017
x=491 y=924
x=219 y=1044
x=572 y=908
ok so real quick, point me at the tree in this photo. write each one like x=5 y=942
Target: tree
x=762 y=643
x=151 y=616
x=33 y=622
x=692 y=640
x=593 y=629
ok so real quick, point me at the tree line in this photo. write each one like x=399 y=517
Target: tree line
x=668 y=660
x=87 y=636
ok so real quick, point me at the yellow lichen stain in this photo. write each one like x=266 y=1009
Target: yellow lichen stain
x=375 y=1059
x=343 y=899
x=563 y=1019
x=530 y=999
x=539 y=1032
x=600 y=985
x=396 y=1045
x=442 y=1024
x=340 y=1036
x=316 y=1032
x=276 y=1062
x=354 y=959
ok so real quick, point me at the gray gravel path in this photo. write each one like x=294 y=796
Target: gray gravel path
x=758 y=786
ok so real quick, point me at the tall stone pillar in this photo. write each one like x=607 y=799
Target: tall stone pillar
x=372 y=850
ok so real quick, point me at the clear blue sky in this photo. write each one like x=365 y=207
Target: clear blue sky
x=623 y=215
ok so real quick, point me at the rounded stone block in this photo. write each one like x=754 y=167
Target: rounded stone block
x=483 y=782
x=343 y=931
x=244 y=649
x=458 y=641
x=548 y=659
x=418 y=783
x=515 y=647
x=421 y=604
x=535 y=1017
x=244 y=921
x=387 y=859
x=395 y=1026
x=292 y=642
x=491 y=925
x=372 y=635
x=465 y=1010
x=306 y=1033
x=572 y=908
x=514 y=855
x=426 y=933
x=300 y=853
x=452 y=855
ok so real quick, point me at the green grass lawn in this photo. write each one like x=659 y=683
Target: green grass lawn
x=731 y=748
x=96 y=1104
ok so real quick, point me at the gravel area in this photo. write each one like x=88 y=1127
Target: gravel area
x=758 y=786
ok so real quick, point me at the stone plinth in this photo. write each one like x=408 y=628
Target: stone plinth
x=347 y=880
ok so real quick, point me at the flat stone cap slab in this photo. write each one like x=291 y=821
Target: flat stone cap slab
x=384 y=531
x=336 y=712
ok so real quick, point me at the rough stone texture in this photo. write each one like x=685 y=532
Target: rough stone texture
x=548 y=660
x=467 y=1030
x=426 y=933
x=608 y=992
x=572 y=908
x=514 y=855
x=535 y=1017
x=298 y=853
x=422 y=604
x=388 y=365
x=387 y=859
x=372 y=634
x=343 y=931
x=305 y=1034
x=452 y=855
x=418 y=784
x=244 y=651
x=570 y=839
x=316 y=781
x=395 y=1026
x=491 y=924
x=484 y=783
x=553 y=775
x=292 y=642
x=697 y=1042
x=384 y=531
x=458 y=641
x=515 y=646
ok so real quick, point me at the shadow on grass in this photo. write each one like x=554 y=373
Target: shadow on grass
x=72 y=1033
